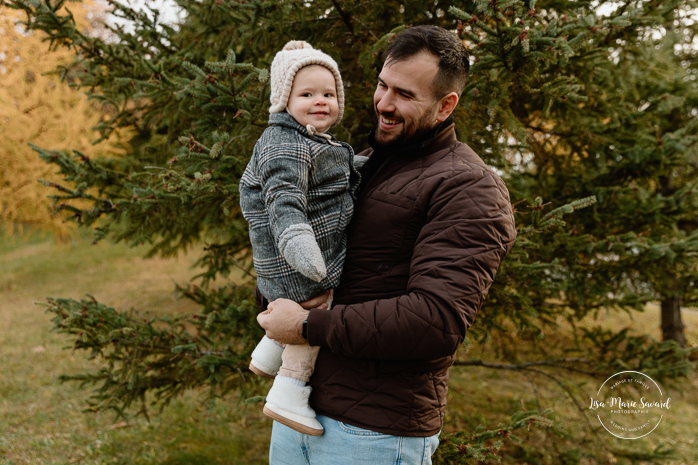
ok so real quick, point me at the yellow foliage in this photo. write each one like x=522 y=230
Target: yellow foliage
x=38 y=108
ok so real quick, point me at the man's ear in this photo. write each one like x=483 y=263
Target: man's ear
x=446 y=106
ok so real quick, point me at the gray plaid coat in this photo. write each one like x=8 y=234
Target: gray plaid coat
x=295 y=178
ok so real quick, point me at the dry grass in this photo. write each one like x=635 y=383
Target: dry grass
x=41 y=422
x=475 y=390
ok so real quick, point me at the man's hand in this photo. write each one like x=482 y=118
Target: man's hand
x=283 y=320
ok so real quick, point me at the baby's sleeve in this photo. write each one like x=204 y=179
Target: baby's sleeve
x=359 y=162
x=284 y=168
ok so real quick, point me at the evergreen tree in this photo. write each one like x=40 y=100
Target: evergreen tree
x=556 y=102
x=611 y=114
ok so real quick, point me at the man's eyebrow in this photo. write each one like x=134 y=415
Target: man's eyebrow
x=399 y=89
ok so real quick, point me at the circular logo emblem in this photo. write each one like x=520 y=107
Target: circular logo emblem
x=630 y=405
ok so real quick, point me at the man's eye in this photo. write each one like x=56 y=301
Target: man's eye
x=381 y=84
x=404 y=95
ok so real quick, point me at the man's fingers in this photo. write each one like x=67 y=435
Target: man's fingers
x=263 y=317
x=316 y=302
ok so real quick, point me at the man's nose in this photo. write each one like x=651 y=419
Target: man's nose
x=385 y=103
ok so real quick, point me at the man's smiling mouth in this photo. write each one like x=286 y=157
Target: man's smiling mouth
x=388 y=121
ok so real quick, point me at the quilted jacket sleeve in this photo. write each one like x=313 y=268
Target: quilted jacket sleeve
x=283 y=169
x=469 y=229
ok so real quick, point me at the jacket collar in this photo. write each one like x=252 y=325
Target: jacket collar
x=441 y=136
x=285 y=119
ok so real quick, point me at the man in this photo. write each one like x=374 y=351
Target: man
x=431 y=226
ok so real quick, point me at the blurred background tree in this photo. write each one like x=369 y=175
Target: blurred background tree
x=576 y=104
x=37 y=106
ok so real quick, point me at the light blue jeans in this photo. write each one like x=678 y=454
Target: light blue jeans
x=343 y=444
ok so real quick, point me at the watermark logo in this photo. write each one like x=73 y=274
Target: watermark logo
x=630 y=405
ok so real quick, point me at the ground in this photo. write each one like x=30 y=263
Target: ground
x=42 y=421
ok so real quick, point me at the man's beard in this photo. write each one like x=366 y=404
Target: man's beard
x=409 y=135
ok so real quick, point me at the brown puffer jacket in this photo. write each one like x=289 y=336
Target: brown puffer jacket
x=430 y=229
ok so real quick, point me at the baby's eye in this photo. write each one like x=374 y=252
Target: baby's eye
x=329 y=95
x=306 y=94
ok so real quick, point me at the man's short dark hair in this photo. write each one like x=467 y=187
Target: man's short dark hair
x=445 y=45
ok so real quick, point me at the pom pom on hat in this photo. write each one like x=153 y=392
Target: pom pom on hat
x=295 y=55
x=297 y=45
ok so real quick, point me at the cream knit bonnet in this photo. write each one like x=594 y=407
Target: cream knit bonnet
x=295 y=55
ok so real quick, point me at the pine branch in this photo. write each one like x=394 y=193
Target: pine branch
x=558 y=363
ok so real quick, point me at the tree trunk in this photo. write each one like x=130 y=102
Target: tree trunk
x=672 y=326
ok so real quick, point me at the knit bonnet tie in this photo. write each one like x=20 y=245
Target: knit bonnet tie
x=314 y=132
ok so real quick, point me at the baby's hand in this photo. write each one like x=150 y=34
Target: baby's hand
x=300 y=249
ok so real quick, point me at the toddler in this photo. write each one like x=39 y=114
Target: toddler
x=297 y=197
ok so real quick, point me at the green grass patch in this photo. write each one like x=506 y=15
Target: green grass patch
x=42 y=421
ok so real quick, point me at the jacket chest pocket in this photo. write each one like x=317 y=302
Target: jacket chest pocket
x=381 y=226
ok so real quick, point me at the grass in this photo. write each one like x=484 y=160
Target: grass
x=41 y=421
x=482 y=395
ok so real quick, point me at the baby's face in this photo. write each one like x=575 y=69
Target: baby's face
x=313 y=98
